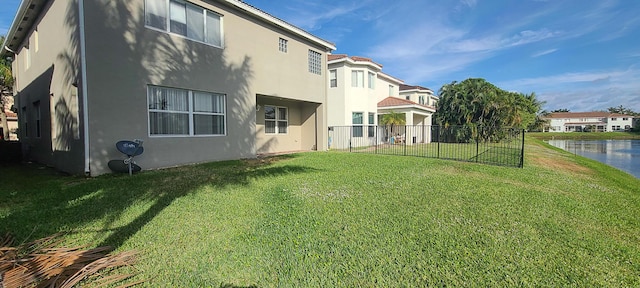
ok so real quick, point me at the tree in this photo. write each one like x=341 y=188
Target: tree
x=6 y=87
x=560 y=110
x=484 y=108
x=622 y=110
x=392 y=118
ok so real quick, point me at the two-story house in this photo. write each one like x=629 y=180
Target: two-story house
x=195 y=80
x=588 y=121
x=359 y=96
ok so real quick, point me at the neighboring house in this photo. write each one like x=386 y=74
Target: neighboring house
x=196 y=80
x=12 y=119
x=588 y=121
x=360 y=94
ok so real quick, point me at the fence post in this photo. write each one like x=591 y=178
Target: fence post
x=405 y=140
x=478 y=143
x=375 y=134
x=439 y=139
x=522 y=151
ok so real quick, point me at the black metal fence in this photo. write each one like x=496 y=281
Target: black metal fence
x=488 y=145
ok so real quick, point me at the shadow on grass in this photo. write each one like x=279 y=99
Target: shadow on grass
x=39 y=202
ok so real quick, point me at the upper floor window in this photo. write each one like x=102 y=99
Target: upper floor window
x=391 y=90
x=625 y=119
x=333 y=78
x=27 y=57
x=614 y=119
x=405 y=97
x=421 y=99
x=315 y=62
x=372 y=80
x=175 y=111
x=186 y=19
x=357 y=79
x=282 y=45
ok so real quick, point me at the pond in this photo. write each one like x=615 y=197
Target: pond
x=622 y=154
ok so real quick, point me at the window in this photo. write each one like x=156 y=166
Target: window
x=614 y=119
x=357 y=79
x=333 y=78
x=276 y=120
x=421 y=99
x=282 y=45
x=372 y=80
x=357 y=129
x=25 y=122
x=182 y=18
x=391 y=90
x=36 y=108
x=315 y=62
x=407 y=97
x=36 y=40
x=27 y=57
x=372 y=128
x=184 y=112
x=625 y=119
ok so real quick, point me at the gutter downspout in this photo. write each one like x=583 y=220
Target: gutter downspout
x=85 y=105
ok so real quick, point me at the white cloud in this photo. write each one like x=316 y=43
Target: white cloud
x=545 y=52
x=583 y=91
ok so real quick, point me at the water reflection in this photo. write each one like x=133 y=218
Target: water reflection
x=622 y=154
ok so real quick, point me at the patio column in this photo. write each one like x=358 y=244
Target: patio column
x=408 y=138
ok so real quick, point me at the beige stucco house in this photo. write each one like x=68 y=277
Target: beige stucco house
x=195 y=80
x=360 y=94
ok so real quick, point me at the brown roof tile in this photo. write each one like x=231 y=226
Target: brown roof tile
x=404 y=87
x=354 y=58
x=395 y=101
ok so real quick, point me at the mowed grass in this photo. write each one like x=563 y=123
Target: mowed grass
x=333 y=219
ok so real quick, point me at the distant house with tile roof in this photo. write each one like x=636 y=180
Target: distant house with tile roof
x=359 y=94
x=588 y=121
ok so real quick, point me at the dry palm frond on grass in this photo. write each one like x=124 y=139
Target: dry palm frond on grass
x=40 y=263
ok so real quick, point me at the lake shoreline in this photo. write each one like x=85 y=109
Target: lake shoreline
x=585 y=135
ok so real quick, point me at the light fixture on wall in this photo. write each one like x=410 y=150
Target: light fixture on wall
x=258 y=107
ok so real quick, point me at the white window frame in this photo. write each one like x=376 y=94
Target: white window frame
x=371 y=130
x=421 y=99
x=333 y=78
x=191 y=112
x=277 y=120
x=357 y=78
x=206 y=13
x=372 y=80
x=283 y=45
x=391 y=90
x=357 y=126
x=315 y=62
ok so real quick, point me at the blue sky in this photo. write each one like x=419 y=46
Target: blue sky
x=582 y=55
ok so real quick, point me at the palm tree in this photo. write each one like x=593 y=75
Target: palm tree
x=392 y=118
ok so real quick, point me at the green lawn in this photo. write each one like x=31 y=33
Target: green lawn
x=332 y=219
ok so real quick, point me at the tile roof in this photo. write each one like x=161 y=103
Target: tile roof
x=354 y=58
x=558 y=115
x=410 y=87
x=395 y=101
